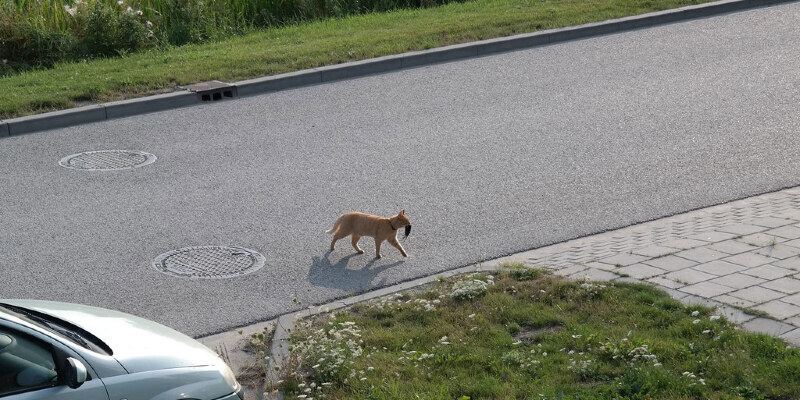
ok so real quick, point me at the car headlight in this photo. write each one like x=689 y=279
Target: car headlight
x=229 y=376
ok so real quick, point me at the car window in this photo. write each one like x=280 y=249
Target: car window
x=70 y=331
x=25 y=363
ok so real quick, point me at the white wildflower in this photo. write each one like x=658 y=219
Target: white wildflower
x=695 y=313
x=468 y=289
x=714 y=317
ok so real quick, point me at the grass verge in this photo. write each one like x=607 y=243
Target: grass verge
x=525 y=334
x=298 y=47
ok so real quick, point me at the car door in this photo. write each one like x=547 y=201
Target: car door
x=31 y=368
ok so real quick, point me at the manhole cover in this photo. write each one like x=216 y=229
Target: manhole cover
x=209 y=262
x=107 y=160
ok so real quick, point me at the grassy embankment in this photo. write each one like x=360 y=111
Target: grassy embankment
x=525 y=334
x=297 y=47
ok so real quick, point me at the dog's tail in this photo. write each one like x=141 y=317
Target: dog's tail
x=335 y=225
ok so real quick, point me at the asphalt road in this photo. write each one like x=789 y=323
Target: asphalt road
x=488 y=157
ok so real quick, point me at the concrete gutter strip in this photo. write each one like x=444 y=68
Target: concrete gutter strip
x=360 y=68
x=127 y=108
x=56 y=119
x=438 y=55
x=251 y=87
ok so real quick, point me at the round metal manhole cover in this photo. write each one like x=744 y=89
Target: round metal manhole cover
x=209 y=262
x=107 y=160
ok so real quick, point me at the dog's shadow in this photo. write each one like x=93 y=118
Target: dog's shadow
x=336 y=275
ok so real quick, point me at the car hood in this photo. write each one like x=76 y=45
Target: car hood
x=137 y=344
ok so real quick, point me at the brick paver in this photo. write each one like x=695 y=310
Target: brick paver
x=707 y=289
x=734 y=301
x=750 y=259
x=779 y=309
x=702 y=254
x=769 y=272
x=791 y=263
x=738 y=281
x=640 y=271
x=786 y=232
x=757 y=294
x=719 y=268
x=788 y=285
x=779 y=251
x=732 y=246
x=689 y=276
x=670 y=263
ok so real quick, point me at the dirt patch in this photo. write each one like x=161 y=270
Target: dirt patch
x=530 y=334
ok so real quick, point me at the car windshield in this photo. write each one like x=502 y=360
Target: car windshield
x=70 y=331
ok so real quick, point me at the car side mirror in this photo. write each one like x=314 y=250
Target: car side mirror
x=76 y=373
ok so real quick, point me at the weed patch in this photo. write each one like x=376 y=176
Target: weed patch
x=526 y=334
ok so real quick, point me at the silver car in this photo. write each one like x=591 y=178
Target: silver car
x=61 y=351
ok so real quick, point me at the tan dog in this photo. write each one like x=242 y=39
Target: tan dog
x=359 y=224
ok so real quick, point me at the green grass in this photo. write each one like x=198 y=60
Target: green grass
x=535 y=336
x=298 y=47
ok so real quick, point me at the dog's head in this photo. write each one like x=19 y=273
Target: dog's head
x=402 y=220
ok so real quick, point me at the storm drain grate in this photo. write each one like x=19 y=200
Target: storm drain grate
x=107 y=160
x=213 y=90
x=209 y=262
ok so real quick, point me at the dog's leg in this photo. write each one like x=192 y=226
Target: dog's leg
x=336 y=236
x=378 y=248
x=354 y=241
x=395 y=243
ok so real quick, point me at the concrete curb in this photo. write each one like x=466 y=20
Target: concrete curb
x=251 y=87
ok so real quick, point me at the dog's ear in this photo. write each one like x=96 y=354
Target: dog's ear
x=402 y=212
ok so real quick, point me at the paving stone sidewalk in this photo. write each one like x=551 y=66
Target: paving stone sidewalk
x=743 y=257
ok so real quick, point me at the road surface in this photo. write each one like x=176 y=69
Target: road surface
x=488 y=156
